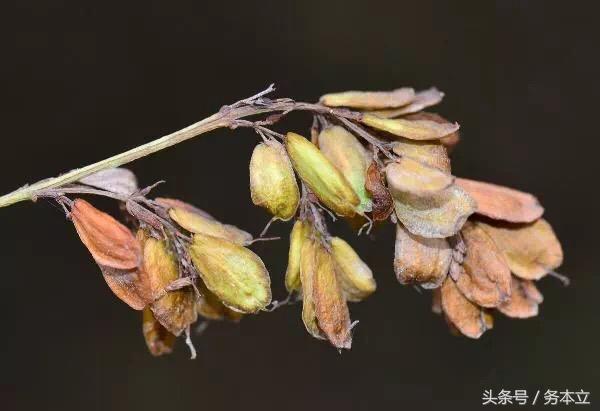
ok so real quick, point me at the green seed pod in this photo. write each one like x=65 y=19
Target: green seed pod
x=355 y=276
x=292 y=274
x=272 y=181
x=350 y=157
x=325 y=181
x=236 y=275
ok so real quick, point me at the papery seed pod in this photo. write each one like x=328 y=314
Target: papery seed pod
x=466 y=316
x=330 y=305
x=419 y=260
x=110 y=242
x=431 y=153
x=530 y=250
x=175 y=310
x=369 y=99
x=382 y=201
x=324 y=180
x=410 y=176
x=272 y=181
x=502 y=203
x=233 y=273
x=450 y=141
x=308 y=269
x=434 y=216
x=210 y=307
x=350 y=157
x=158 y=340
x=524 y=300
x=297 y=237
x=354 y=275
x=169 y=203
x=412 y=129
x=486 y=278
x=130 y=286
x=423 y=99
x=199 y=224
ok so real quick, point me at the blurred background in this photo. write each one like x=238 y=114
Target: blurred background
x=85 y=80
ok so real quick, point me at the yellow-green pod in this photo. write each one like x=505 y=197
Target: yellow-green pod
x=200 y=224
x=355 y=276
x=272 y=181
x=321 y=176
x=292 y=274
x=350 y=157
x=235 y=274
x=412 y=129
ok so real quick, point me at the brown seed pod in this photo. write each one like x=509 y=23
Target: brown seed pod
x=524 y=300
x=297 y=237
x=419 y=260
x=369 y=99
x=158 y=339
x=411 y=176
x=431 y=153
x=354 y=275
x=422 y=100
x=485 y=279
x=110 y=242
x=467 y=317
x=502 y=203
x=130 y=286
x=530 y=250
x=308 y=268
x=383 y=203
x=412 y=129
x=199 y=224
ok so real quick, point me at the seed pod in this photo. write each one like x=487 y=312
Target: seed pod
x=210 y=307
x=383 y=203
x=486 y=278
x=502 y=203
x=158 y=339
x=466 y=316
x=530 y=250
x=355 y=277
x=423 y=99
x=308 y=268
x=412 y=129
x=350 y=157
x=170 y=203
x=175 y=310
x=324 y=180
x=419 y=260
x=272 y=181
x=450 y=141
x=524 y=300
x=130 y=286
x=431 y=153
x=199 y=224
x=438 y=215
x=410 y=176
x=330 y=305
x=292 y=274
x=369 y=99
x=236 y=275
x=110 y=242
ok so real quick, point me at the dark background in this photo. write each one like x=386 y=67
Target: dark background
x=85 y=80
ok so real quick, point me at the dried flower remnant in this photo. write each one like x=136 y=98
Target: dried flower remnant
x=272 y=181
x=354 y=275
x=370 y=99
x=382 y=201
x=158 y=340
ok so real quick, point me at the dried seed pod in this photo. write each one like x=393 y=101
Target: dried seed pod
x=350 y=157
x=410 y=176
x=130 y=286
x=524 y=300
x=158 y=339
x=116 y=180
x=308 y=268
x=435 y=216
x=324 y=180
x=292 y=274
x=382 y=201
x=530 y=250
x=423 y=99
x=450 y=141
x=369 y=99
x=467 y=317
x=412 y=129
x=419 y=260
x=175 y=310
x=432 y=153
x=329 y=302
x=174 y=203
x=485 y=279
x=502 y=203
x=110 y=242
x=235 y=274
x=210 y=307
x=355 y=277
x=199 y=224
x=272 y=181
